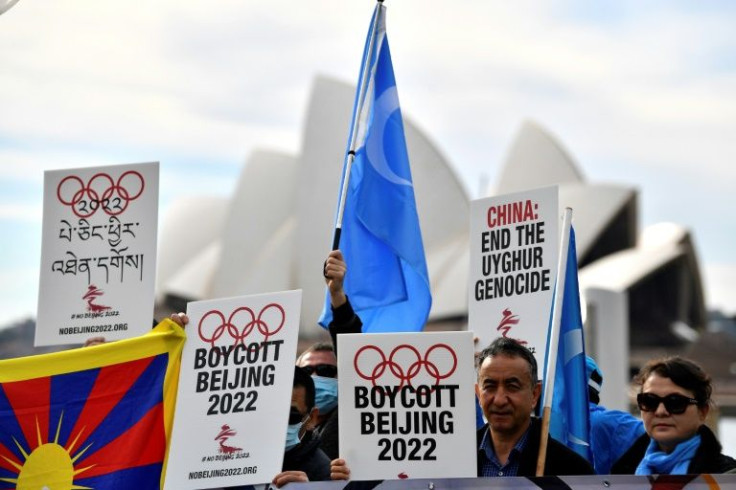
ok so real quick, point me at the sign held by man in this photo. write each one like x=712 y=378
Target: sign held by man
x=406 y=405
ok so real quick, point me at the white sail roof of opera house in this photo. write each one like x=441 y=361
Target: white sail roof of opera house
x=536 y=159
x=190 y=236
x=658 y=245
x=276 y=230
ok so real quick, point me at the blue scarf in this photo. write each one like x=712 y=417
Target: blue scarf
x=658 y=462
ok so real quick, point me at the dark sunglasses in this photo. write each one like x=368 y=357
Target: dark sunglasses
x=295 y=417
x=675 y=404
x=324 y=370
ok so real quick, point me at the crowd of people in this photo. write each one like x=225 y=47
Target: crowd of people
x=670 y=438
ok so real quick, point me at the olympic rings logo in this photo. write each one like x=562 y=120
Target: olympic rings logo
x=213 y=325
x=100 y=192
x=405 y=363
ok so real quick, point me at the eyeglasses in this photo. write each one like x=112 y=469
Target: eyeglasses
x=674 y=403
x=295 y=417
x=324 y=370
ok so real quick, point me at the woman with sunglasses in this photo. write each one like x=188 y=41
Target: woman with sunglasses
x=674 y=400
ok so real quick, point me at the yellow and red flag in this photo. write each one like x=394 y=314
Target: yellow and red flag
x=98 y=417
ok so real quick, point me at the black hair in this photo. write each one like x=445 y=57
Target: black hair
x=683 y=372
x=301 y=378
x=511 y=348
x=593 y=394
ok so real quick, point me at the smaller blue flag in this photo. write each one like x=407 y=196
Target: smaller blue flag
x=381 y=241
x=570 y=420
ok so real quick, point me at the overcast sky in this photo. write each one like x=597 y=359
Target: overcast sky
x=640 y=93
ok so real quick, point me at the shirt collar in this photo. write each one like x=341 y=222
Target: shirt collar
x=486 y=445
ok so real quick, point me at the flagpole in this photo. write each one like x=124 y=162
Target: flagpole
x=350 y=156
x=553 y=341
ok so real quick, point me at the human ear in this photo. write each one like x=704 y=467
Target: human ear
x=703 y=411
x=313 y=418
x=536 y=393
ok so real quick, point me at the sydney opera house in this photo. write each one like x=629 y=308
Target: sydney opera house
x=642 y=288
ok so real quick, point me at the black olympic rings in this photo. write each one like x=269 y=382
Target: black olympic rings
x=100 y=192
x=405 y=376
x=231 y=325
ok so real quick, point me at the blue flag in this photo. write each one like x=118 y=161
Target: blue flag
x=387 y=279
x=570 y=420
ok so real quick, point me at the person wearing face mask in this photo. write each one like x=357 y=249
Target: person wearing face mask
x=320 y=362
x=674 y=400
x=303 y=459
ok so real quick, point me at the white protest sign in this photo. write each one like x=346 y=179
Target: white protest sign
x=234 y=393
x=513 y=262
x=406 y=405
x=98 y=253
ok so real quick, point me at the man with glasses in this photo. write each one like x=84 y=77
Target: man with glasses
x=303 y=459
x=320 y=362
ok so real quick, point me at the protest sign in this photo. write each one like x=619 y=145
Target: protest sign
x=406 y=405
x=234 y=391
x=98 y=253
x=513 y=262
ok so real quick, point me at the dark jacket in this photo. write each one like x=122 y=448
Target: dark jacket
x=344 y=320
x=309 y=458
x=327 y=432
x=708 y=457
x=560 y=459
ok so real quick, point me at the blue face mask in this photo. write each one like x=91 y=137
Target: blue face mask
x=325 y=396
x=292 y=435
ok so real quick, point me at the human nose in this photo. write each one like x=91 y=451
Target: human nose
x=500 y=397
x=661 y=410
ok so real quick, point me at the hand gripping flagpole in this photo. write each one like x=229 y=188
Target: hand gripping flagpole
x=350 y=155
x=553 y=341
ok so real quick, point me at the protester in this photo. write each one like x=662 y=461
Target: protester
x=304 y=461
x=674 y=400
x=504 y=408
x=320 y=362
x=509 y=390
x=612 y=432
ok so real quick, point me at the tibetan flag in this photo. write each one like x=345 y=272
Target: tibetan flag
x=96 y=417
x=381 y=241
x=570 y=420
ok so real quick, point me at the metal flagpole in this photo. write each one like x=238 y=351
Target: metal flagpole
x=350 y=156
x=553 y=341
